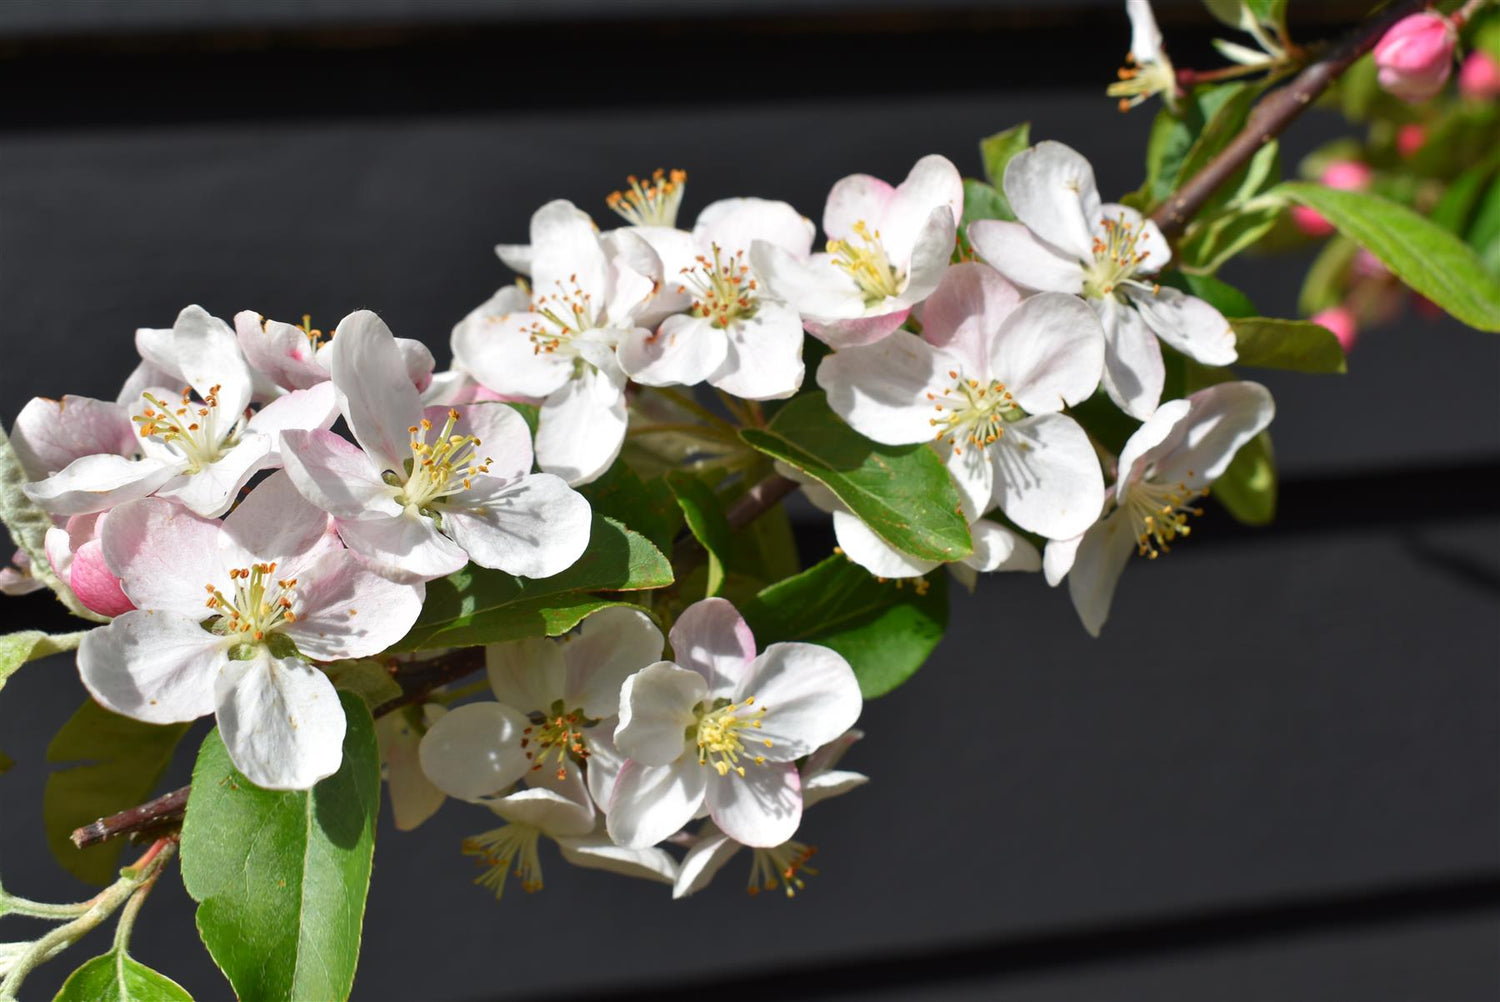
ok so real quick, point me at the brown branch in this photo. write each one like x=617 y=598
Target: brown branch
x=1273 y=114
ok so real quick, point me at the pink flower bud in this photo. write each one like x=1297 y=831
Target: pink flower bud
x=1410 y=139
x=1479 y=77
x=94 y=584
x=1347 y=175
x=1310 y=221
x=1340 y=320
x=1416 y=56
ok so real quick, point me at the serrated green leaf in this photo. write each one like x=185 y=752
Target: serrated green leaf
x=902 y=492
x=1422 y=254
x=642 y=505
x=884 y=629
x=481 y=606
x=109 y=763
x=118 y=977
x=1298 y=345
x=997 y=151
x=704 y=514
x=280 y=877
x=367 y=678
x=30 y=645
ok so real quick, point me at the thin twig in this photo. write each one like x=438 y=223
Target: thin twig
x=1273 y=114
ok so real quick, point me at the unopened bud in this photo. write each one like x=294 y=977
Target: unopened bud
x=1416 y=56
x=1479 y=77
x=1340 y=320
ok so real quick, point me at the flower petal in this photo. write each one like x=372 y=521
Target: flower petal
x=1157 y=436
x=281 y=351
x=1101 y=557
x=92 y=581
x=315 y=407
x=413 y=797
x=851 y=332
x=159 y=667
x=963 y=315
x=734 y=224
x=713 y=639
x=931 y=251
x=474 y=751
x=49 y=434
x=808 y=695
x=535 y=527
x=597 y=852
x=1052 y=191
x=813 y=286
x=164 y=555
x=1049 y=352
x=379 y=401
x=1013 y=251
x=1047 y=476
x=650 y=803
x=274 y=524
x=880 y=389
x=874 y=554
x=554 y=814
x=997 y=548
x=335 y=474
x=504 y=437
x=203 y=351
x=406 y=547
x=581 y=427
x=1222 y=418
x=213 y=488
x=608 y=647
x=703 y=861
x=494 y=345
x=932 y=184
x=282 y=723
x=99 y=482
x=835 y=783
x=1187 y=323
x=345 y=610
x=565 y=250
x=858 y=198
x=764 y=358
x=684 y=351
x=1133 y=369
x=657 y=705
x=761 y=808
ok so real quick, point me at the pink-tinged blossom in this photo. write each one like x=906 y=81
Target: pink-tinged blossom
x=988 y=380
x=557 y=343
x=887 y=250
x=1479 y=76
x=1415 y=56
x=1066 y=240
x=1166 y=468
x=199 y=445
x=77 y=556
x=426 y=491
x=226 y=614
x=290 y=357
x=1343 y=323
x=779 y=866
x=719 y=730
x=730 y=332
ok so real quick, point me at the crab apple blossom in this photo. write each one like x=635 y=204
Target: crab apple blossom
x=226 y=614
x=887 y=250
x=77 y=556
x=779 y=866
x=425 y=492
x=1165 y=467
x=557 y=700
x=558 y=343
x=292 y=357
x=720 y=729
x=1065 y=240
x=197 y=446
x=996 y=548
x=988 y=380
x=1414 y=58
x=732 y=333
x=1147 y=69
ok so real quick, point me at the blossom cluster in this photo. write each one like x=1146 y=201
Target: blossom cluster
x=240 y=546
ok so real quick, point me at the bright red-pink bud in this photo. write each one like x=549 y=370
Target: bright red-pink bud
x=1410 y=138
x=1479 y=77
x=1310 y=221
x=94 y=584
x=1347 y=175
x=1341 y=321
x=1416 y=56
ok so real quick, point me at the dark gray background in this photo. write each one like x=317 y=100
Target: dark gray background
x=1274 y=776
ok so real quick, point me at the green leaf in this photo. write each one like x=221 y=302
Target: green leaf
x=1210 y=243
x=984 y=201
x=643 y=505
x=1104 y=422
x=704 y=513
x=480 y=606
x=109 y=763
x=1247 y=489
x=1484 y=231
x=1453 y=210
x=1222 y=124
x=902 y=492
x=280 y=877
x=30 y=645
x=1298 y=345
x=28 y=526
x=1324 y=285
x=1175 y=137
x=1422 y=254
x=118 y=977
x=1214 y=291
x=367 y=678
x=884 y=629
x=997 y=151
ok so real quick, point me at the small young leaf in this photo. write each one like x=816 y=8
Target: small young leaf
x=1212 y=242
x=902 y=492
x=984 y=201
x=1298 y=345
x=1422 y=254
x=30 y=645
x=109 y=763
x=480 y=606
x=704 y=513
x=1175 y=137
x=884 y=629
x=280 y=877
x=118 y=977
x=997 y=151
x=1214 y=291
